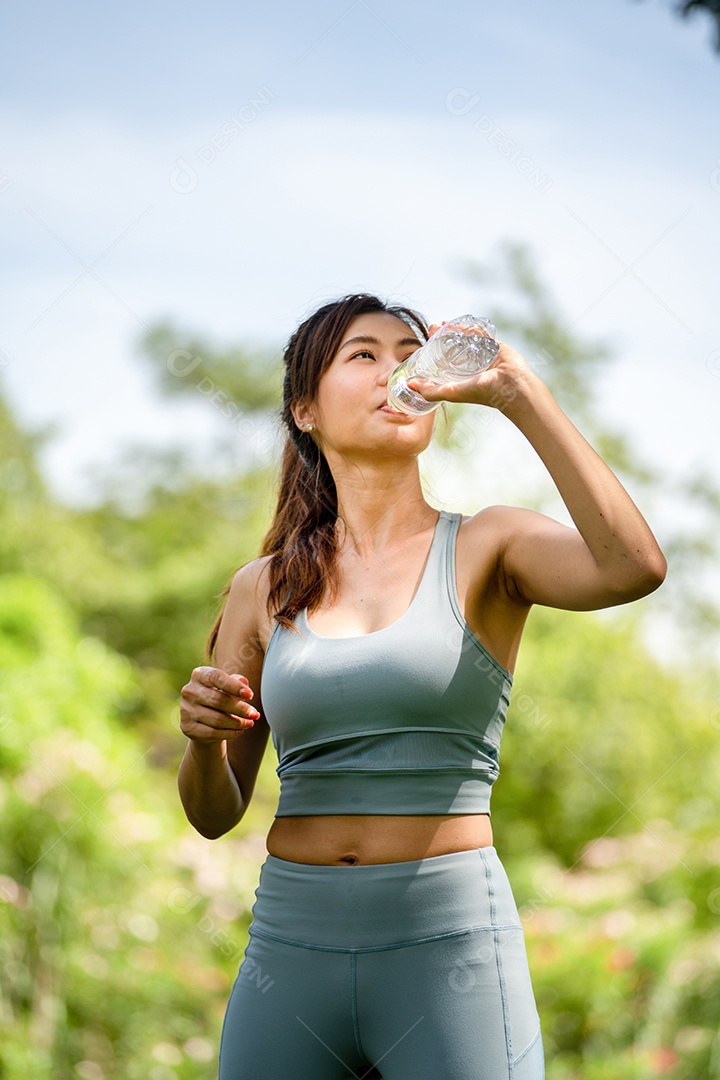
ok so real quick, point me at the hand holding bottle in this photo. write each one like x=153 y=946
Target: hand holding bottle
x=458 y=349
x=497 y=385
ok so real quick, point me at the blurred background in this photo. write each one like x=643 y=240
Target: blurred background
x=180 y=186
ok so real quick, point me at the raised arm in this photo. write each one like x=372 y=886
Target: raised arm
x=612 y=556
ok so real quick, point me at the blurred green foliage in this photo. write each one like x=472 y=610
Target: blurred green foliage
x=688 y=503
x=118 y=924
x=121 y=929
x=607 y=807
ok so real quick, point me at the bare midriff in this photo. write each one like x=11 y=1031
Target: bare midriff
x=353 y=839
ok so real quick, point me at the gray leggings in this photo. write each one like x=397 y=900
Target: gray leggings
x=386 y=971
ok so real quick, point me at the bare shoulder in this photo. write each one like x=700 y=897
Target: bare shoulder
x=488 y=531
x=252 y=574
x=498 y=519
x=246 y=606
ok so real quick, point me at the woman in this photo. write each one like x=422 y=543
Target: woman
x=376 y=637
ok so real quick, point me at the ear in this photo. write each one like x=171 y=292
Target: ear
x=302 y=414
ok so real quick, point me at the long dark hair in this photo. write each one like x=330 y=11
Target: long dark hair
x=301 y=538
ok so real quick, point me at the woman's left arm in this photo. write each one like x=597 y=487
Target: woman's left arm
x=612 y=557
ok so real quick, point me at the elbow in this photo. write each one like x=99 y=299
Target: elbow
x=214 y=831
x=654 y=572
x=210 y=829
x=660 y=571
x=210 y=834
x=648 y=577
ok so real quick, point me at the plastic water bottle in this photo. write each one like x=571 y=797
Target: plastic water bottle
x=458 y=350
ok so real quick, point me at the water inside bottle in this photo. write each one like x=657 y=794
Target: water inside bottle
x=402 y=399
x=467 y=353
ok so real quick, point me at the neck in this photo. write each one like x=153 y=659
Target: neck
x=380 y=508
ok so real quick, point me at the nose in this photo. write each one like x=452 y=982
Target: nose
x=386 y=369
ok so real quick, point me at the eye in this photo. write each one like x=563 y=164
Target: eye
x=366 y=352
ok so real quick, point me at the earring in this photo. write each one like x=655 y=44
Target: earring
x=309 y=427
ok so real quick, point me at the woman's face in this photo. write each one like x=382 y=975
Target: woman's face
x=347 y=411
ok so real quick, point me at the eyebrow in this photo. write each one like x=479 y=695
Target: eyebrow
x=366 y=339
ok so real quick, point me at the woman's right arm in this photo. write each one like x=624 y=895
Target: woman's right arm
x=221 y=704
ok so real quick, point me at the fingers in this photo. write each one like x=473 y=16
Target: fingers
x=210 y=676
x=216 y=705
x=206 y=725
x=196 y=730
x=428 y=390
x=223 y=691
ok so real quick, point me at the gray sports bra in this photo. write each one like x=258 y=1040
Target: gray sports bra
x=405 y=720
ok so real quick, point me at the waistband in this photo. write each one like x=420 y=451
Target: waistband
x=383 y=905
x=390 y=791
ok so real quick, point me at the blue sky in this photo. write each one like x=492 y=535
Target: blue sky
x=150 y=65
x=231 y=169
